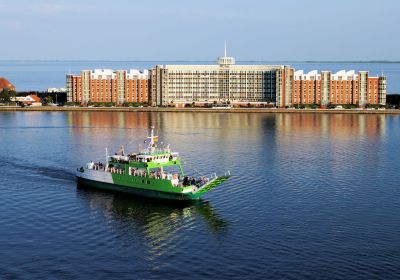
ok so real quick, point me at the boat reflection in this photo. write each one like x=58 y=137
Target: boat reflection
x=159 y=222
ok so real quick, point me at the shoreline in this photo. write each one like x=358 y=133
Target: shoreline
x=195 y=110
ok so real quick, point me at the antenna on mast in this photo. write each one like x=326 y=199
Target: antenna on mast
x=225 y=48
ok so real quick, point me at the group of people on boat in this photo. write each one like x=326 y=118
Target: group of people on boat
x=135 y=158
x=95 y=165
x=176 y=178
x=153 y=174
x=138 y=172
x=161 y=175
x=99 y=166
x=191 y=181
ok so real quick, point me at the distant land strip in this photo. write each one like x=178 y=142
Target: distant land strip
x=201 y=61
x=195 y=110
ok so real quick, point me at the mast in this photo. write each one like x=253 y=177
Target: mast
x=225 y=48
x=106 y=167
x=151 y=147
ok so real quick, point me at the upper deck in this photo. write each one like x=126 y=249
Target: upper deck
x=156 y=159
x=149 y=157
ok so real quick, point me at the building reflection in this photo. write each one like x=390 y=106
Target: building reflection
x=109 y=119
x=159 y=223
x=327 y=145
x=339 y=126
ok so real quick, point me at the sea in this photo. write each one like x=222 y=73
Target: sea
x=37 y=75
x=312 y=196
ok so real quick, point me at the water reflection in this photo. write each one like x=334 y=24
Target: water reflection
x=159 y=223
x=216 y=142
x=337 y=125
x=109 y=119
x=340 y=125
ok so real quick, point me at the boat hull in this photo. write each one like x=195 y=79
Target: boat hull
x=136 y=191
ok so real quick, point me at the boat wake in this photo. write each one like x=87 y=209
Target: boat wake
x=21 y=166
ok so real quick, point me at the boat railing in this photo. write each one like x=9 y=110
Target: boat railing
x=101 y=167
x=155 y=151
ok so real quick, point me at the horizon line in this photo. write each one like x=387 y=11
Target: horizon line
x=190 y=60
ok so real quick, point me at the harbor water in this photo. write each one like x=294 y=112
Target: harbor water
x=313 y=196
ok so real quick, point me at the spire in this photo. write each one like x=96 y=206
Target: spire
x=224 y=60
x=225 y=49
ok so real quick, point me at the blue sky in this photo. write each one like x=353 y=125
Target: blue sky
x=195 y=30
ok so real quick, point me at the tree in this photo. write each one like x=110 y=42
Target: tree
x=47 y=100
x=7 y=95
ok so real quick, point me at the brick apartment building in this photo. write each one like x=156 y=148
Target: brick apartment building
x=106 y=85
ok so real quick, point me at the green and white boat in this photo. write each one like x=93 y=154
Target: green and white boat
x=149 y=172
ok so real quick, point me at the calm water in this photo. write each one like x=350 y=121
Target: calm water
x=312 y=197
x=40 y=75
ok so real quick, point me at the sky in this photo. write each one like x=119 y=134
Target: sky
x=263 y=30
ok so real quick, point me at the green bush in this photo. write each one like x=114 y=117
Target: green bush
x=71 y=104
x=311 y=106
x=135 y=104
x=375 y=106
x=349 y=106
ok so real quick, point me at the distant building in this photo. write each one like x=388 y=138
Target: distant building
x=106 y=85
x=30 y=100
x=229 y=83
x=5 y=84
x=340 y=88
x=223 y=82
x=54 y=90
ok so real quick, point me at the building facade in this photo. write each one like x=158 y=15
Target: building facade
x=227 y=82
x=224 y=82
x=105 y=85
x=339 y=88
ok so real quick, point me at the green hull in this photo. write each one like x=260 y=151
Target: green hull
x=148 y=192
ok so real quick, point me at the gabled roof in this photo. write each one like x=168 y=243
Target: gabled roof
x=34 y=98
